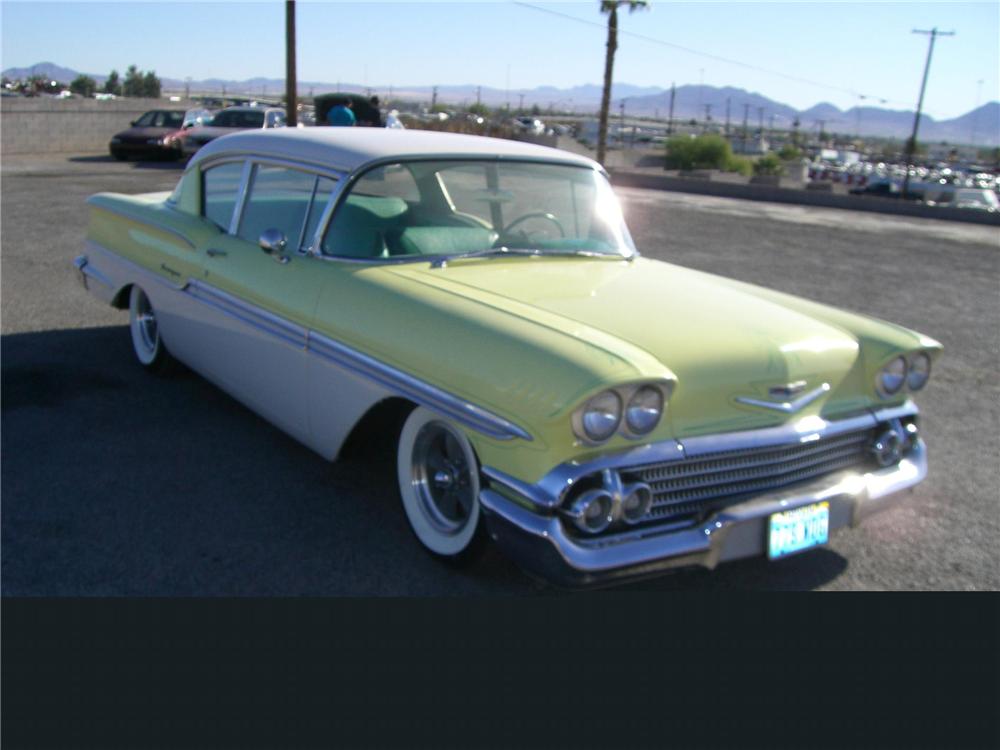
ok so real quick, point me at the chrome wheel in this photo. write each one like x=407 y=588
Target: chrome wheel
x=439 y=483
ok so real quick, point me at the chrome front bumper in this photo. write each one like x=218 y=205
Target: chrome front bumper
x=539 y=543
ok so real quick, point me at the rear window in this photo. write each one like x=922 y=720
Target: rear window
x=238 y=119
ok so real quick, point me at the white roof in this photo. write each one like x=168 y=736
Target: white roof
x=347 y=149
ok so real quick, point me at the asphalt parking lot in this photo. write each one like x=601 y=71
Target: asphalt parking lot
x=117 y=483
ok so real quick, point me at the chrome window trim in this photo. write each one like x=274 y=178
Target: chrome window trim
x=276 y=161
x=162 y=227
x=550 y=491
x=241 y=198
x=305 y=219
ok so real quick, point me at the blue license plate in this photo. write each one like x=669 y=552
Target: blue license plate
x=796 y=530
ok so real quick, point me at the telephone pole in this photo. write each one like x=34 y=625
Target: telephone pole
x=911 y=144
x=291 y=86
x=670 y=117
x=729 y=101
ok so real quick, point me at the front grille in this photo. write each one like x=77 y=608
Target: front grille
x=690 y=488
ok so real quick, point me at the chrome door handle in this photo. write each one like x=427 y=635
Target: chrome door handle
x=213 y=253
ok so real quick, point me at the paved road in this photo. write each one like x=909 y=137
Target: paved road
x=116 y=483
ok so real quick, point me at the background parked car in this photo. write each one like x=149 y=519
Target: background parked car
x=155 y=134
x=231 y=120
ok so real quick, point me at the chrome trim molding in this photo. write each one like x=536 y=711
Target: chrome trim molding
x=417 y=390
x=305 y=166
x=290 y=333
x=787 y=407
x=246 y=177
x=143 y=220
x=87 y=272
x=551 y=489
x=541 y=544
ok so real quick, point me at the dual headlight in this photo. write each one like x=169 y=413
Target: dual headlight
x=635 y=411
x=913 y=371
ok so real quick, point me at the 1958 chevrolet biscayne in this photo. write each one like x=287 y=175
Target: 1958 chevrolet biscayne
x=597 y=414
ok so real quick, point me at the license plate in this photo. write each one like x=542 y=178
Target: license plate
x=796 y=530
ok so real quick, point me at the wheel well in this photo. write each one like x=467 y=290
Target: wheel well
x=379 y=428
x=120 y=300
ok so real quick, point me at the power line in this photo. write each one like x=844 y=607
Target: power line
x=709 y=55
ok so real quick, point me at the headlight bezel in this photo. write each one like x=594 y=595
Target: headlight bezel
x=910 y=369
x=625 y=394
x=905 y=385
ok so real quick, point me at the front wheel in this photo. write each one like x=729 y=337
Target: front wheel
x=145 y=333
x=439 y=486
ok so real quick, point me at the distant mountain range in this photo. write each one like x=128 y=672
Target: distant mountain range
x=982 y=124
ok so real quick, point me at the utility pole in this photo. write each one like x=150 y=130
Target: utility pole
x=760 y=121
x=479 y=94
x=729 y=101
x=520 y=104
x=621 y=126
x=708 y=116
x=746 y=117
x=291 y=84
x=434 y=97
x=911 y=144
x=670 y=117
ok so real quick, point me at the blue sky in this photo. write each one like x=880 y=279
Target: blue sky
x=841 y=49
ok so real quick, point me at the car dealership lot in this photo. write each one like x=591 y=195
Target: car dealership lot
x=114 y=482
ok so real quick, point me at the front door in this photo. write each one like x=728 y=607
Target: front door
x=258 y=305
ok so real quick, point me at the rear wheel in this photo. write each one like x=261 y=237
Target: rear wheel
x=119 y=155
x=145 y=333
x=439 y=486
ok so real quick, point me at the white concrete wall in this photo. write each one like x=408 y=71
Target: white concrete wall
x=41 y=125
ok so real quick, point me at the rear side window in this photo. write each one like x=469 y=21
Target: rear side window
x=284 y=199
x=220 y=190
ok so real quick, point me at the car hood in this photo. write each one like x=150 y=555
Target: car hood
x=207 y=133
x=720 y=339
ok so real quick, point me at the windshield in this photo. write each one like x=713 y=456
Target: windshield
x=411 y=210
x=237 y=118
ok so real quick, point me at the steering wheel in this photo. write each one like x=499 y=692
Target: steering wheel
x=505 y=232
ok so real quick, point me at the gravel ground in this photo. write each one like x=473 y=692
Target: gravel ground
x=116 y=483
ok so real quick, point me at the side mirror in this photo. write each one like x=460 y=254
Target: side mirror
x=273 y=243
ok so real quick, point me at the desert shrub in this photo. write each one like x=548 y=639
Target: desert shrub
x=703 y=152
x=789 y=152
x=740 y=165
x=768 y=164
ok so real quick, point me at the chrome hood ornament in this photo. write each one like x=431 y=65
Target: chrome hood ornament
x=786 y=391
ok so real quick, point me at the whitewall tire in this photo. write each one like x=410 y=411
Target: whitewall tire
x=147 y=344
x=439 y=484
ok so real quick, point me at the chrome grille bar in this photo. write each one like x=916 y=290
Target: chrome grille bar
x=687 y=488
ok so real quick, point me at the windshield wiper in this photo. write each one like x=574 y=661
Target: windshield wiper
x=443 y=260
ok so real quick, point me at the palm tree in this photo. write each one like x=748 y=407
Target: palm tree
x=611 y=8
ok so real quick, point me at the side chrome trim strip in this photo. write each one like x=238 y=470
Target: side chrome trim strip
x=406 y=385
x=289 y=332
x=143 y=220
x=788 y=407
